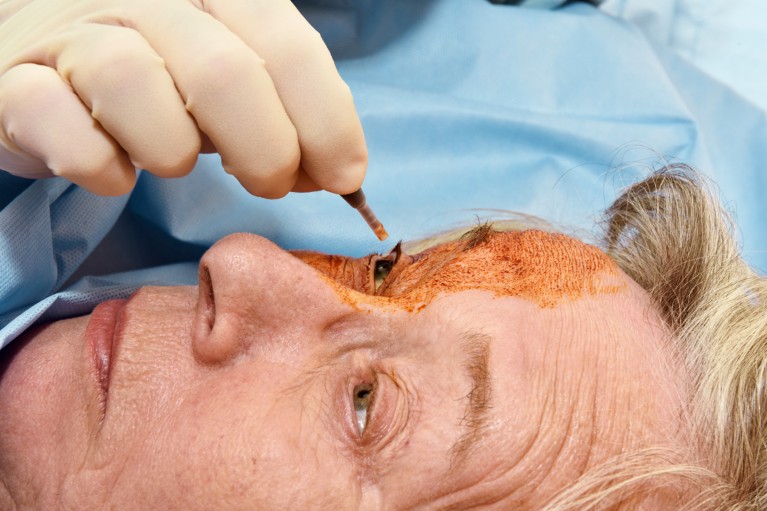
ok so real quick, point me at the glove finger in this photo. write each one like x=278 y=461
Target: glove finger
x=206 y=146
x=13 y=159
x=318 y=101
x=305 y=183
x=230 y=94
x=42 y=117
x=124 y=83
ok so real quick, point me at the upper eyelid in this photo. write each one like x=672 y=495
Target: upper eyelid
x=373 y=261
x=397 y=251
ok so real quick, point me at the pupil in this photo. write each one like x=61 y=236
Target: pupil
x=383 y=267
x=362 y=395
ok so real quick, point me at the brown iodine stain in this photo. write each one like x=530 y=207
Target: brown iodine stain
x=354 y=274
x=542 y=267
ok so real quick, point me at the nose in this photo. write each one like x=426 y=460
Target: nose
x=251 y=291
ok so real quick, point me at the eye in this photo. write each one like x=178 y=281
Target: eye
x=384 y=265
x=363 y=397
x=381 y=271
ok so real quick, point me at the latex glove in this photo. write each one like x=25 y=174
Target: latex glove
x=93 y=89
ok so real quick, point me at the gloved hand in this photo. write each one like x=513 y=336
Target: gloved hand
x=93 y=89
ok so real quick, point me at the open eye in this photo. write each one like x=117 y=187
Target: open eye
x=363 y=396
x=384 y=265
x=381 y=271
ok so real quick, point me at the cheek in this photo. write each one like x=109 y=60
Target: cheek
x=237 y=439
x=43 y=427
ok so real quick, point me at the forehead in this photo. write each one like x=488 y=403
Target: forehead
x=538 y=266
x=551 y=367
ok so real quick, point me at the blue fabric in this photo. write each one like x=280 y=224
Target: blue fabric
x=724 y=38
x=467 y=107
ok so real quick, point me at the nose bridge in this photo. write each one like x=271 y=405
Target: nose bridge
x=349 y=272
x=250 y=291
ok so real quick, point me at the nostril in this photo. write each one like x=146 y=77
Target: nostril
x=248 y=293
x=207 y=298
x=211 y=344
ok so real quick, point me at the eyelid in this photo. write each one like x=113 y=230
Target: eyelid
x=396 y=252
x=378 y=264
x=399 y=260
x=350 y=416
x=379 y=414
x=390 y=418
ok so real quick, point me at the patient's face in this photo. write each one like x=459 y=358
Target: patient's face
x=495 y=371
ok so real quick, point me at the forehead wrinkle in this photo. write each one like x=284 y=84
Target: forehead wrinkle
x=476 y=349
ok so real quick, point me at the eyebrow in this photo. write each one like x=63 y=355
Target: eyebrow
x=478 y=235
x=476 y=348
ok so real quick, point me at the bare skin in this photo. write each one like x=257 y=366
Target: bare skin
x=241 y=393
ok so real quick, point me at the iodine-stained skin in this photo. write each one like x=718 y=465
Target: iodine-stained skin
x=538 y=266
x=355 y=273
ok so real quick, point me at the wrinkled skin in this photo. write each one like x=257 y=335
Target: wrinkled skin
x=240 y=394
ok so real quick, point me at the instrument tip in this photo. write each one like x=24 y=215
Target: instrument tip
x=380 y=232
x=358 y=201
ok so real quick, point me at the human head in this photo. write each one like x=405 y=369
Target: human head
x=241 y=394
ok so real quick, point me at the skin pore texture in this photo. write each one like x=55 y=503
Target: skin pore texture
x=499 y=367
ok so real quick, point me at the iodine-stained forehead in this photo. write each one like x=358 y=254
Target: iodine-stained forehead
x=542 y=267
x=539 y=266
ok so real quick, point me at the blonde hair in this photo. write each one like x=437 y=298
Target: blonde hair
x=671 y=234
